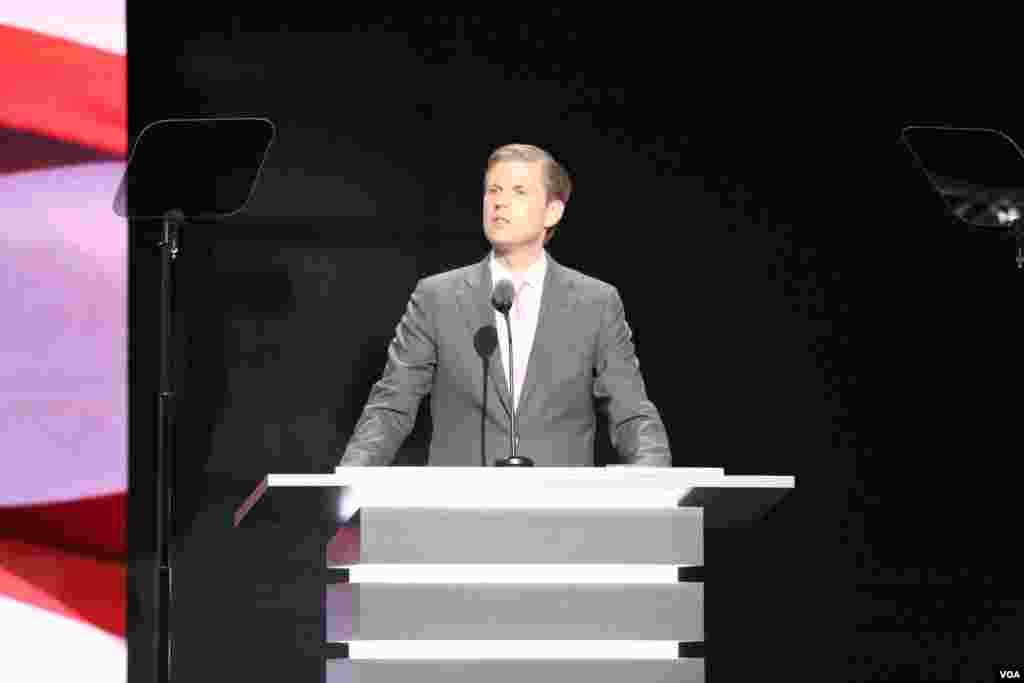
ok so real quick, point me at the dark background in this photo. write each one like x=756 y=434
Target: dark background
x=800 y=301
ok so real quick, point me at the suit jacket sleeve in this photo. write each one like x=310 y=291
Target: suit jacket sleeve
x=634 y=425
x=390 y=411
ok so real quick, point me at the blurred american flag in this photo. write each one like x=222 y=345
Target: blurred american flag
x=63 y=394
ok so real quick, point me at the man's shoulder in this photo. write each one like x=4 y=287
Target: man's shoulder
x=588 y=284
x=445 y=280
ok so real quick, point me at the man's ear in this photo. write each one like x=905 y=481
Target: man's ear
x=555 y=209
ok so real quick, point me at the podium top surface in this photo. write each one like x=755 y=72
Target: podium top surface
x=612 y=487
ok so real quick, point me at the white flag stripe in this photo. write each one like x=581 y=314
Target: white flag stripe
x=31 y=634
x=62 y=252
x=97 y=23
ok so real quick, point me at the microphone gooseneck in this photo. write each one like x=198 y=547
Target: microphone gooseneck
x=502 y=297
x=513 y=435
x=485 y=341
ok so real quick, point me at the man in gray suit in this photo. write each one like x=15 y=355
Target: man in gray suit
x=572 y=348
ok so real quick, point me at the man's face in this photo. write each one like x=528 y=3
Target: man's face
x=516 y=210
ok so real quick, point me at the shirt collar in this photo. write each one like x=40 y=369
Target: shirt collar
x=534 y=275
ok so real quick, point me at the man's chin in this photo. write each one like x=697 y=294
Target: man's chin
x=504 y=244
x=504 y=247
x=498 y=243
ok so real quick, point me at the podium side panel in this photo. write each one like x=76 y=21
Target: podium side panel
x=726 y=507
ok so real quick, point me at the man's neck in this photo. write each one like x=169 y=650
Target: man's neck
x=519 y=261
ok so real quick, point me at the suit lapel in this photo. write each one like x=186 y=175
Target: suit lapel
x=552 y=329
x=474 y=300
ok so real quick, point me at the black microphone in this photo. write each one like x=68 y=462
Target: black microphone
x=485 y=341
x=502 y=297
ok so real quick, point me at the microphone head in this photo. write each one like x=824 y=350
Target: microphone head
x=485 y=341
x=502 y=296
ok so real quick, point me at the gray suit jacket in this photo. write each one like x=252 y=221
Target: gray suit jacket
x=582 y=360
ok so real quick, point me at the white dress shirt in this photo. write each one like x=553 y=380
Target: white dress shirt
x=523 y=331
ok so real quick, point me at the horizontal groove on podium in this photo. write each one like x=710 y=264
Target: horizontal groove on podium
x=420 y=574
x=548 y=650
x=669 y=612
x=692 y=650
x=529 y=536
x=516 y=671
x=336 y=650
x=690 y=573
x=338 y=575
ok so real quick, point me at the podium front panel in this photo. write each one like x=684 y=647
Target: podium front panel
x=638 y=612
x=530 y=536
x=515 y=671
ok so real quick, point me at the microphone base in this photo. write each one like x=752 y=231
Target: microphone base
x=514 y=461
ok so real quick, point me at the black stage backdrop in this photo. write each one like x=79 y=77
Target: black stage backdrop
x=800 y=302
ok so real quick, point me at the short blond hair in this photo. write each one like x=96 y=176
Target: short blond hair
x=557 y=183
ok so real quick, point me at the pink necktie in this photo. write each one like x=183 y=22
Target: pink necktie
x=520 y=315
x=520 y=285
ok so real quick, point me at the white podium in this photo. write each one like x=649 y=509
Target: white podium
x=501 y=575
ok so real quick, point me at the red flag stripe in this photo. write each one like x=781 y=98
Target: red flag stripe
x=91 y=526
x=81 y=588
x=62 y=89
